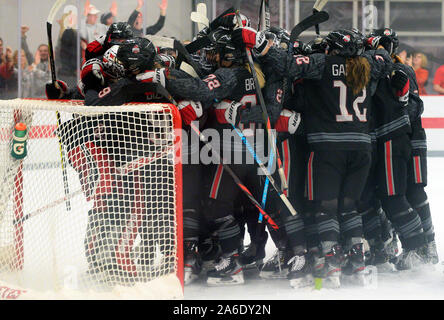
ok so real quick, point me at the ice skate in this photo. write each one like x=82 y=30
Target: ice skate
x=227 y=272
x=192 y=264
x=276 y=267
x=409 y=260
x=353 y=271
x=253 y=256
x=299 y=274
x=328 y=267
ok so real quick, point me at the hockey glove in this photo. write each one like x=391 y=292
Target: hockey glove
x=56 y=90
x=401 y=84
x=153 y=76
x=95 y=48
x=288 y=121
x=92 y=74
x=251 y=39
x=301 y=48
x=233 y=112
x=372 y=43
x=190 y=111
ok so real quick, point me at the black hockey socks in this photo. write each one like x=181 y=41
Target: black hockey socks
x=405 y=220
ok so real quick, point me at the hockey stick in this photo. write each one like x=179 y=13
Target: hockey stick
x=49 y=23
x=162 y=91
x=267 y=19
x=265 y=171
x=319 y=4
x=310 y=21
x=266 y=16
x=265 y=116
x=202 y=42
x=261 y=9
x=200 y=16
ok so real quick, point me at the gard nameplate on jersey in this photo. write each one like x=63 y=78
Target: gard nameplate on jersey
x=338 y=70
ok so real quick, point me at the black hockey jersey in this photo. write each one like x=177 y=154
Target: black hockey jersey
x=391 y=117
x=335 y=118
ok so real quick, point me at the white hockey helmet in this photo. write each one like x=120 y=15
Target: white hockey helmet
x=112 y=66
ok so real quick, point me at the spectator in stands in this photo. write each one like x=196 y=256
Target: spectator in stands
x=29 y=55
x=2 y=81
x=41 y=58
x=438 y=80
x=26 y=72
x=419 y=64
x=6 y=75
x=135 y=19
x=90 y=28
x=109 y=18
x=1 y=51
x=67 y=57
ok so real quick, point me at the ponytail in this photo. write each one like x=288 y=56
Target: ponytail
x=358 y=73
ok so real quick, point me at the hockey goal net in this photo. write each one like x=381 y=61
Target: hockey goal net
x=94 y=210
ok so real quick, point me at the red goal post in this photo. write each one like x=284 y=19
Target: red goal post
x=123 y=229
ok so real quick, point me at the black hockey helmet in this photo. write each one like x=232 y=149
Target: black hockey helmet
x=221 y=44
x=317 y=45
x=226 y=48
x=388 y=39
x=137 y=55
x=118 y=32
x=346 y=43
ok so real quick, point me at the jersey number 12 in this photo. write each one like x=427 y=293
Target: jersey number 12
x=345 y=116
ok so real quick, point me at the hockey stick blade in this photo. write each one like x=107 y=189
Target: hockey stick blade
x=307 y=23
x=201 y=20
x=319 y=5
x=202 y=42
x=54 y=10
x=201 y=9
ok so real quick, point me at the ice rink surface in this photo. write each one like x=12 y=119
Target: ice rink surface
x=425 y=284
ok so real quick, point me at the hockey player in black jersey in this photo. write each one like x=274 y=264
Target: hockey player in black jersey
x=335 y=118
x=405 y=199
x=106 y=143
x=392 y=127
x=233 y=81
x=289 y=259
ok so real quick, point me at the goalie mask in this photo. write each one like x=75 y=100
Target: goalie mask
x=346 y=43
x=112 y=67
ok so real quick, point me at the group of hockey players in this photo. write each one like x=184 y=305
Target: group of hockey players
x=345 y=120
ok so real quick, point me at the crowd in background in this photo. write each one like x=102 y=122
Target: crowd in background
x=34 y=70
x=35 y=67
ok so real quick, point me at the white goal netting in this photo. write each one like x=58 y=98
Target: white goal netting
x=106 y=216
